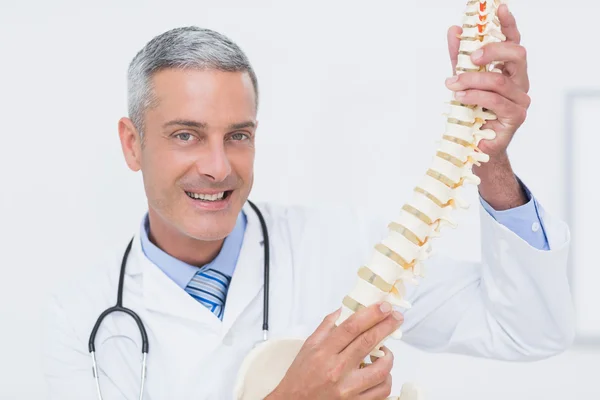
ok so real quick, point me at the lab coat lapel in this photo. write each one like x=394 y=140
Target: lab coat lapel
x=248 y=276
x=162 y=295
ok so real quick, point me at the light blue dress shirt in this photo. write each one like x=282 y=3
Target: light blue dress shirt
x=182 y=273
x=524 y=221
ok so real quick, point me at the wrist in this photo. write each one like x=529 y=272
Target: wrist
x=499 y=185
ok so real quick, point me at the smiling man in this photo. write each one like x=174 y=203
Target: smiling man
x=195 y=148
x=194 y=273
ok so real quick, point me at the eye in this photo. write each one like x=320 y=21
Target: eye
x=184 y=136
x=239 y=136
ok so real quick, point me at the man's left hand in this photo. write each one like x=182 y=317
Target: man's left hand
x=505 y=94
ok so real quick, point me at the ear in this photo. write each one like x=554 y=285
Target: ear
x=130 y=144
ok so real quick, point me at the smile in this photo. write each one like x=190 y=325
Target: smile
x=209 y=197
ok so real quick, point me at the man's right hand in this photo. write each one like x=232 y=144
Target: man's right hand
x=327 y=366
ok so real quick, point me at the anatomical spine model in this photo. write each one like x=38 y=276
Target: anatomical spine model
x=398 y=258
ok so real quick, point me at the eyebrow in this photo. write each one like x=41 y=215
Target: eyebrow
x=242 y=125
x=202 y=125
x=186 y=122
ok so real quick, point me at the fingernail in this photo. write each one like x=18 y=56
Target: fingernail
x=397 y=316
x=476 y=55
x=385 y=307
x=451 y=80
x=460 y=94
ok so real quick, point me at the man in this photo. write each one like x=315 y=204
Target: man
x=195 y=271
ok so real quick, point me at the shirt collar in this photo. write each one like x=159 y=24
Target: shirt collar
x=182 y=273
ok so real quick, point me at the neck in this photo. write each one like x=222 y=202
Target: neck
x=175 y=243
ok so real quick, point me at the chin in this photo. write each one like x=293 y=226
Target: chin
x=211 y=225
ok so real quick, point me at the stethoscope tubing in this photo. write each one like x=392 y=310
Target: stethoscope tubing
x=118 y=307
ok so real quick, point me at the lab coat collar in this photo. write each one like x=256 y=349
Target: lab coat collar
x=161 y=294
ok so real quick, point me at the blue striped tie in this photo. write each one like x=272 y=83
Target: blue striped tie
x=209 y=287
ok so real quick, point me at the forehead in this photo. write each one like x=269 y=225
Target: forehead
x=209 y=95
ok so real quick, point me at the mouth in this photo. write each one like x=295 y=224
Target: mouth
x=209 y=198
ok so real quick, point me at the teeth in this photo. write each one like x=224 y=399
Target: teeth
x=206 y=197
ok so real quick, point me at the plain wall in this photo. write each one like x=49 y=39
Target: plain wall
x=352 y=96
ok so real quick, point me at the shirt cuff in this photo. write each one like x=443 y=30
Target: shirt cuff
x=523 y=220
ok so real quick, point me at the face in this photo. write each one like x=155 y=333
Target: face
x=198 y=152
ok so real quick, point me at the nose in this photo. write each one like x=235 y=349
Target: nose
x=215 y=165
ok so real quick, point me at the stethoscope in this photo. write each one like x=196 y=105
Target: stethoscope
x=138 y=321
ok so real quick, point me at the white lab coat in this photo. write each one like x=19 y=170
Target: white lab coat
x=514 y=305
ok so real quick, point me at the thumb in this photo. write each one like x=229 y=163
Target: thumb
x=453 y=45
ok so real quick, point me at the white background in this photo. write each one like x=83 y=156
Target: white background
x=584 y=129
x=356 y=85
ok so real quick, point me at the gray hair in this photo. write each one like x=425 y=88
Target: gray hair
x=184 y=48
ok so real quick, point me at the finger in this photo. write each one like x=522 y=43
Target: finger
x=500 y=105
x=385 y=351
x=367 y=341
x=379 y=392
x=513 y=56
x=453 y=45
x=324 y=329
x=355 y=325
x=509 y=24
x=360 y=381
x=492 y=82
x=507 y=52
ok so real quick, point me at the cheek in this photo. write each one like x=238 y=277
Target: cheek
x=242 y=163
x=162 y=170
